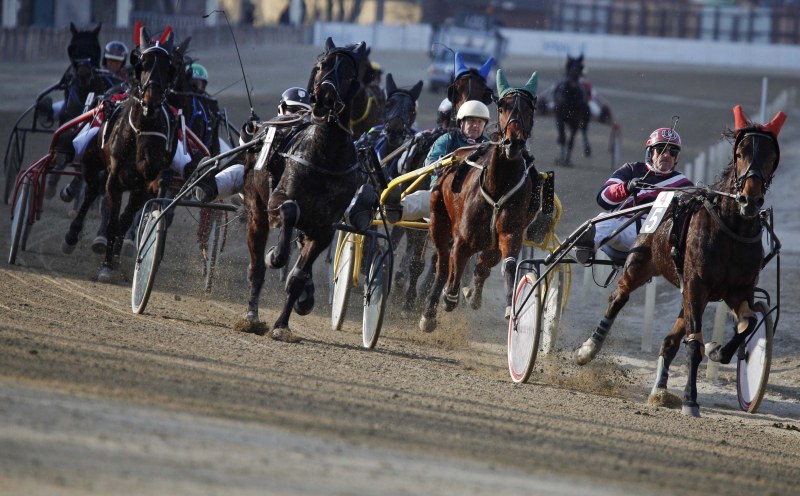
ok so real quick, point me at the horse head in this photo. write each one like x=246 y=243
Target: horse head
x=755 y=158
x=85 y=45
x=515 y=107
x=334 y=81
x=469 y=83
x=400 y=111
x=574 y=68
x=154 y=67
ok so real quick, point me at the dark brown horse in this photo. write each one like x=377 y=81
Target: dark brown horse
x=318 y=181
x=572 y=109
x=484 y=205
x=719 y=255
x=368 y=103
x=470 y=84
x=135 y=144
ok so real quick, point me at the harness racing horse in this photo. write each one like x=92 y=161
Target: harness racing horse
x=719 y=256
x=200 y=111
x=135 y=144
x=469 y=84
x=485 y=204
x=572 y=109
x=320 y=176
x=81 y=78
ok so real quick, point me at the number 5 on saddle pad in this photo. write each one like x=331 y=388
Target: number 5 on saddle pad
x=663 y=201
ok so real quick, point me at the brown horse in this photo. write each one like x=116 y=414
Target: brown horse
x=318 y=181
x=484 y=205
x=470 y=84
x=715 y=235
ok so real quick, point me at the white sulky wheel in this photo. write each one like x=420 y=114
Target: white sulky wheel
x=344 y=265
x=753 y=362
x=19 y=221
x=150 y=249
x=376 y=294
x=524 y=328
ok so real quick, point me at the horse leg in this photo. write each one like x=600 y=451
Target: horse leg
x=636 y=273
x=571 y=142
x=746 y=324
x=695 y=299
x=299 y=288
x=587 y=148
x=458 y=259
x=562 y=140
x=483 y=267
x=257 y=233
x=113 y=198
x=440 y=229
x=667 y=352
x=278 y=255
x=415 y=249
x=76 y=226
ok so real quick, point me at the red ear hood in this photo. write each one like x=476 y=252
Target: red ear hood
x=136 y=33
x=740 y=119
x=774 y=126
x=165 y=35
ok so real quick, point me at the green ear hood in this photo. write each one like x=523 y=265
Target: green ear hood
x=503 y=87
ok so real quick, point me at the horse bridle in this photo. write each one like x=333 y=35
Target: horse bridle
x=154 y=77
x=407 y=118
x=331 y=78
x=488 y=95
x=753 y=171
x=514 y=114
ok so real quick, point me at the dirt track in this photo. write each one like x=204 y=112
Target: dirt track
x=98 y=400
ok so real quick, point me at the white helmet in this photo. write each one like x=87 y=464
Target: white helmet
x=473 y=108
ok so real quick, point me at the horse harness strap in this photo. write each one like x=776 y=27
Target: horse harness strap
x=727 y=230
x=302 y=161
x=166 y=136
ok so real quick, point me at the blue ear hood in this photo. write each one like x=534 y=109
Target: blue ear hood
x=461 y=67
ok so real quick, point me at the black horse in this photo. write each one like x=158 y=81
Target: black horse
x=135 y=144
x=572 y=109
x=82 y=78
x=320 y=176
x=709 y=245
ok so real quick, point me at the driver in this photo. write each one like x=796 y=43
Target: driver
x=115 y=55
x=471 y=119
x=633 y=181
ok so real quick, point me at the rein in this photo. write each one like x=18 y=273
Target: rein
x=166 y=136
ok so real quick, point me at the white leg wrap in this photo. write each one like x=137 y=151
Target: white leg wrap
x=230 y=181
x=180 y=159
x=417 y=205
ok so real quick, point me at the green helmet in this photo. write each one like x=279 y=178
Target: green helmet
x=199 y=72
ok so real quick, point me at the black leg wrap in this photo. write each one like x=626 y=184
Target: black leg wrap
x=300 y=283
x=600 y=333
x=693 y=358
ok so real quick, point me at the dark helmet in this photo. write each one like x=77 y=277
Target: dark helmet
x=294 y=97
x=115 y=50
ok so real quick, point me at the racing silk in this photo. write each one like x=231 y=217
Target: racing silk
x=615 y=196
x=448 y=143
x=201 y=112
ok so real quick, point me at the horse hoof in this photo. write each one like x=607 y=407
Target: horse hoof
x=469 y=297
x=586 y=352
x=128 y=248
x=587 y=152
x=99 y=245
x=690 y=410
x=714 y=353
x=661 y=397
x=272 y=260
x=105 y=275
x=427 y=324
x=250 y=326
x=305 y=303
x=284 y=334
x=67 y=248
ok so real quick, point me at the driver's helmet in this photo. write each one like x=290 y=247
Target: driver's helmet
x=294 y=100
x=473 y=108
x=199 y=72
x=661 y=137
x=115 y=50
x=444 y=112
